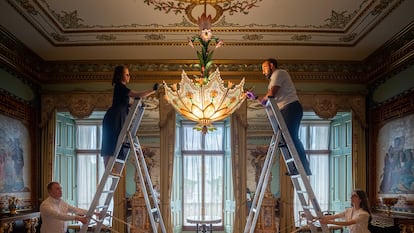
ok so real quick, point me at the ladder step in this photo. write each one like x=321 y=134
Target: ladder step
x=281 y=144
x=294 y=167
x=289 y=160
x=116 y=175
x=307 y=207
x=108 y=191
x=102 y=207
x=117 y=160
x=127 y=139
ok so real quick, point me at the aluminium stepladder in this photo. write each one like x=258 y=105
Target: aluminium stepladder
x=282 y=140
x=127 y=140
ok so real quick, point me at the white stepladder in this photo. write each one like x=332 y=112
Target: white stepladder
x=283 y=141
x=127 y=140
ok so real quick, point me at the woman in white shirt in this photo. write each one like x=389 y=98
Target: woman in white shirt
x=355 y=218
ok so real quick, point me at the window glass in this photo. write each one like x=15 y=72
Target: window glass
x=191 y=139
x=319 y=137
x=315 y=139
x=214 y=141
x=86 y=137
x=202 y=169
x=89 y=162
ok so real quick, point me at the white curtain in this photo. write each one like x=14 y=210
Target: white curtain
x=90 y=164
x=203 y=158
x=315 y=138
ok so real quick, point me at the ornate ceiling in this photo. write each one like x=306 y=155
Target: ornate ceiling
x=342 y=30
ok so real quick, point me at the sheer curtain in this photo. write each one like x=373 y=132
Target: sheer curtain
x=89 y=162
x=315 y=138
x=203 y=157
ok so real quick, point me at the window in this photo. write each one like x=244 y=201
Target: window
x=65 y=157
x=90 y=163
x=202 y=171
x=341 y=162
x=78 y=164
x=315 y=138
x=328 y=145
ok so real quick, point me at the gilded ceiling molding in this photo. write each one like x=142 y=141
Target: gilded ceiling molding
x=15 y=107
x=58 y=72
x=397 y=107
x=391 y=58
x=18 y=60
x=80 y=105
x=327 y=106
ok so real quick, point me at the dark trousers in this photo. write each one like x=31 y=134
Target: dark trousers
x=292 y=114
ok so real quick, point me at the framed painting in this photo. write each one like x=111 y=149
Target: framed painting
x=395 y=150
x=17 y=163
x=392 y=152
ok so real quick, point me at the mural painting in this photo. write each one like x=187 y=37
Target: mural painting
x=15 y=165
x=396 y=157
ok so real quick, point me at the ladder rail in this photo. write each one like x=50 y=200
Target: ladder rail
x=291 y=147
x=261 y=186
x=139 y=164
x=292 y=160
x=126 y=140
x=271 y=103
x=108 y=169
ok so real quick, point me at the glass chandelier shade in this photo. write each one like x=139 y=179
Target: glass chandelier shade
x=205 y=99
x=205 y=103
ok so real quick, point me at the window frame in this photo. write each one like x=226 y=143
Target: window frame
x=222 y=153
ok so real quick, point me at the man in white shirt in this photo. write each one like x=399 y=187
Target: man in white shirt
x=55 y=212
x=281 y=88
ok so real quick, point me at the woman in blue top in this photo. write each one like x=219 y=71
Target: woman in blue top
x=115 y=116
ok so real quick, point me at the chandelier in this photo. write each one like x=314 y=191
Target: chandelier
x=205 y=98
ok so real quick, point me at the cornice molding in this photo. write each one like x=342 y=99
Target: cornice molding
x=393 y=57
x=147 y=71
x=82 y=104
x=14 y=107
x=18 y=60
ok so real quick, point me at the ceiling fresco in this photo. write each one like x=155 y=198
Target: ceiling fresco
x=250 y=29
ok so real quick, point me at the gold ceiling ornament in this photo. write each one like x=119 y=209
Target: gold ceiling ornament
x=205 y=99
x=199 y=2
x=219 y=7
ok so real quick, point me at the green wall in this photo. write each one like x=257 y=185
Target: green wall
x=398 y=84
x=15 y=86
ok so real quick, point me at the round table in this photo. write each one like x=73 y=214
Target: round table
x=204 y=223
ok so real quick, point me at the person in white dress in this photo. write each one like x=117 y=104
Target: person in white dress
x=356 y=218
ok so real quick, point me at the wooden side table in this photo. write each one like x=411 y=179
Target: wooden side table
x=29 y=218
x=392 y=223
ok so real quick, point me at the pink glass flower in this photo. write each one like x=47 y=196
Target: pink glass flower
x=206 y=34
x=204 y=22
x=219 y=44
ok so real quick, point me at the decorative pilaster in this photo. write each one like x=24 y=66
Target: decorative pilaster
x=267 y=222
x=140 y=218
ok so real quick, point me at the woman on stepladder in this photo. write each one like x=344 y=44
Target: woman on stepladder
x=115 y=116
